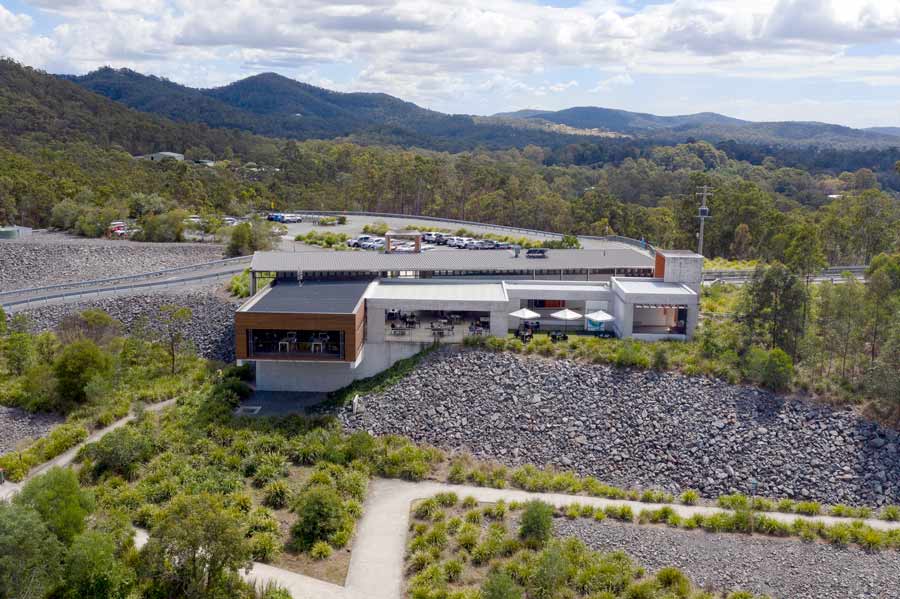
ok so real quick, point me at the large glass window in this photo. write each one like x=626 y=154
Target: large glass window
x=286 y=344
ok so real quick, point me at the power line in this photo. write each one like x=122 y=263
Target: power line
x=703 y=213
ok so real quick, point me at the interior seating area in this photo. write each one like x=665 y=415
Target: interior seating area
x=296 y=344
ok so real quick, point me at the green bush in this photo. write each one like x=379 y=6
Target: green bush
x=265 y=546
x=500 y=585
x=890 y=513
x=320 y=514
x=536 y=525
x=809 y=508
x=79 y=363
x=630 y=353
x=690 y=497
x=60 y=501
x=320 y=550
x=276 y=494
x=119 y=452
x=453 y=570
x=660 y=357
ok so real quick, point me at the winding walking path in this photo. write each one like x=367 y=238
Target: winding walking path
x=8 y=489
x=379 y=547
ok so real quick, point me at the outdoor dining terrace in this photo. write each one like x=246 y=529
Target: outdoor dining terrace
x=430 y=326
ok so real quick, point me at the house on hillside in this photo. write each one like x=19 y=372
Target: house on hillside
x=324 y=319
x=160 y=156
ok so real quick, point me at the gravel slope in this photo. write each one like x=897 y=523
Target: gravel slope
x=16 y=425
x=780 y=568
x=53 y=258
x=211 y=329
x=638 y=428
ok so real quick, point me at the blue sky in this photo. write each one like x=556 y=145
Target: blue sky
x=828 y=60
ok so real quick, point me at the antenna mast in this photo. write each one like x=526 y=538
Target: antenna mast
x=705 y=192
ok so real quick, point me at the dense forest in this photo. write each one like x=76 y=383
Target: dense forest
x=62 y=145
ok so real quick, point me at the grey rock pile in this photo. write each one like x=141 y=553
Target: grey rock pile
x=18 y=425
x=779 y=568
x=54 y=258
x=211 y=329
x=638 y=428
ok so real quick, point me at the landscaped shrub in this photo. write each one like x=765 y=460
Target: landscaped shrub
x=630 y=353
x=690 y=497
x=890 y=513
x=536 y=524
x=499 y=585
x=809 y=508
x=320 y=550
x=119 y=452
x=265 y=546
x=320 y=514
x=276 y=494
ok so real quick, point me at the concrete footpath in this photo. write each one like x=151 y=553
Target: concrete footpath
x=376 y=563
x=8 y=489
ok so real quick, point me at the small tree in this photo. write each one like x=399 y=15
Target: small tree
x=320 y=514
x=173 y=320
x=30 y=555
x=500 y=585
x=92 y=569
x=77 y=364
x=537 y=523
x=60 y=501
x=196 y=548
x=779 y=370
x=19 y=352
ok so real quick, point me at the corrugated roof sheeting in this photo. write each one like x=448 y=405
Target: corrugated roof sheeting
x=461 y=260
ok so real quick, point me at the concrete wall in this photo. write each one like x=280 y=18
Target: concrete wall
x=329 y=376
x=687 y=269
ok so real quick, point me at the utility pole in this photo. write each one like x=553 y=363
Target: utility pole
x=703 y=214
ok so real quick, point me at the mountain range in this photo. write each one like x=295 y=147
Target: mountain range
x=272 y=105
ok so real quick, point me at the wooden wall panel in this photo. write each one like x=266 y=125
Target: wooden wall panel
x=352 y=325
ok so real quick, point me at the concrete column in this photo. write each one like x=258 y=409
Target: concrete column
x=499 y=324
x=693 y=317
x=252 y=283
x=374 y=325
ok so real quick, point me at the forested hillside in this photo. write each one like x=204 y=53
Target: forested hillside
x=269 y=104
x=63 y=165
x=714 y=127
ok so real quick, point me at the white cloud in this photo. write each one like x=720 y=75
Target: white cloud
x=620 y=80
x=437 y=52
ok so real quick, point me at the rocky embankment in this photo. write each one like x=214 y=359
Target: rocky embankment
x=638 y=428
x=53 y=258
x=18 y=425
x=211 y=328
x=778 y=568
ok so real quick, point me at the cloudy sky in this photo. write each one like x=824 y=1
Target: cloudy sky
x=827 y=60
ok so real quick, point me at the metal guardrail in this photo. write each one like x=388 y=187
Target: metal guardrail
x=744 y=274
x=157 y=273
x=115 y=290
x=466 y=223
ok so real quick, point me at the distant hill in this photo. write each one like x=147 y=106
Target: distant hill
x=39 y=106
x=713 y=127
x=273 y=105
x=885 y=130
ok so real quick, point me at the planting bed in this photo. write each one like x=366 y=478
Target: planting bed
x=638 y=428
x=780 y=568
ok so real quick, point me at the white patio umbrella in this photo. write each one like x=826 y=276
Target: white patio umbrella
x=566 y=314
x=524 y=314
x=600 y=316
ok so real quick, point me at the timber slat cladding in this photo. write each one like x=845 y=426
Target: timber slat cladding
x=352 y=325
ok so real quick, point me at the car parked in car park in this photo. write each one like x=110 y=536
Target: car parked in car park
x=292 y=218
x=358 y=241
x=485 y=244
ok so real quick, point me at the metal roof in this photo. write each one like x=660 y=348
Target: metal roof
x=455 y=260
x=653 y=287
x=456 y=291
x=327 y=297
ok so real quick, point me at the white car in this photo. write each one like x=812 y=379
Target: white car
x=359 y=241
x=472 y=244
x=292 y=218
